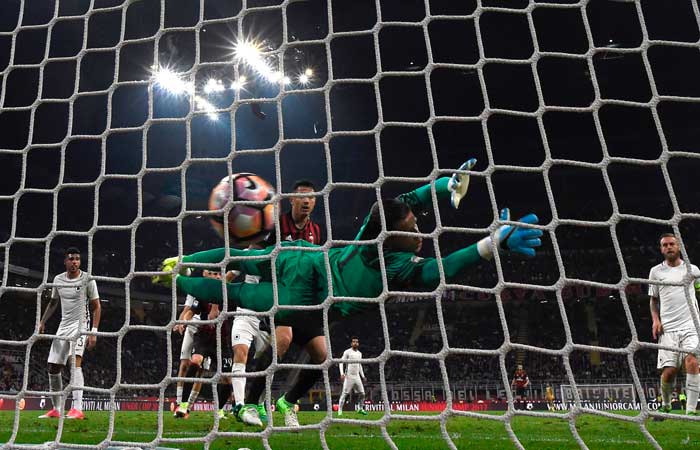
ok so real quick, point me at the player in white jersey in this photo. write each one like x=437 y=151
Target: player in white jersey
x=245 y=328
x=74 y=289
x=672 y=321
x=352 y=377
x=187 y=331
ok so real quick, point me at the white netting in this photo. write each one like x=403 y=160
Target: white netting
x=130 y=71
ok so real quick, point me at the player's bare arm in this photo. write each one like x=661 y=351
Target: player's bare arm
x=214 y=311
x=656 y=328
x=185 y=315
x=342 y=372
x=48 y=312
x=96 y=308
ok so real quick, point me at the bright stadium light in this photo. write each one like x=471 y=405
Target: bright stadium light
x=237 y=85
x=247 y=51
x=287 y=80
x=309 y=72
x=171 y=81
x=213 y=86
x=203 y=105
x=273 y=77
x=303 y=79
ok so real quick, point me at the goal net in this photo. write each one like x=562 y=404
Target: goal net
x=117 y=117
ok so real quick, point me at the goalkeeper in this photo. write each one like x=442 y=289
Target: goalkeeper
x=355 y=269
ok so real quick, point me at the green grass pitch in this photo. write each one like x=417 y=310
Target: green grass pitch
x=466 y=433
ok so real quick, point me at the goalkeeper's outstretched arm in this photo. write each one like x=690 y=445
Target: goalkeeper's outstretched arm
x=508 y=237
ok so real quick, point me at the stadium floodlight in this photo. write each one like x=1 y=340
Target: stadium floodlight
x=309 y=72
x=237 y=85
x=274 y=77
x=286 y=80
x=213 y=86
x=303 y=79
x=203 y=105
x=171 y=81
x=249 y=53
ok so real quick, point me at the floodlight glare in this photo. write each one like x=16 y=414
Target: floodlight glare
x=171 y=81
x=213 y=86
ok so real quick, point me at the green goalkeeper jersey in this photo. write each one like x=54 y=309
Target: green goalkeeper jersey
x=355 y=270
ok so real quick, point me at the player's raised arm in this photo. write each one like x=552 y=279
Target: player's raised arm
x=507 y=238
x=454 y=187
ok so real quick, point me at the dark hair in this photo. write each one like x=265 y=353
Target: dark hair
x=665 y=235
x=354 y=338
x=303 y=183
x=71 y=251
x=394 y=212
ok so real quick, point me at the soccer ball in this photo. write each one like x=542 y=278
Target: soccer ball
x=247 y=224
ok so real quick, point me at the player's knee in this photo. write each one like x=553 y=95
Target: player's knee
x=197 y=360
x=668 y=374
x=317 y=350
x=54 y=368
x=283 y=343
x=691 y=364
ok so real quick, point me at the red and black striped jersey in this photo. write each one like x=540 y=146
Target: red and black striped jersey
x=289 y=231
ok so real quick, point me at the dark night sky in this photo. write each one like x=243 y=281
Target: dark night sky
x=629 y=131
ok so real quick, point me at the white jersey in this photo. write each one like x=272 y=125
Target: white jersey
x=354 y=368
x=675 y=315
x=75 y=293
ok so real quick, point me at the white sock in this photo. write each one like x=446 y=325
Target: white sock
x=78 y=383
x=56 y=384
x=361 y=400
x=666 y=391
x=180 y=388
x=692 y=388
x=341 y=402
x=238 y=383
x=193 y=398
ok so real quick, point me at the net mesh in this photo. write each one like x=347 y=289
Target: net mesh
x=147 y=50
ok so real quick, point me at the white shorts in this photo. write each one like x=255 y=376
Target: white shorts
x=187 y=343
x=61 y=349
x=353 y=384
x=685 y=340
x=244 y=330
